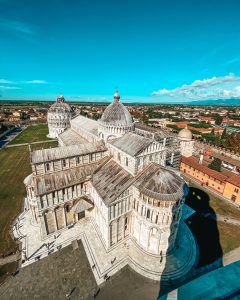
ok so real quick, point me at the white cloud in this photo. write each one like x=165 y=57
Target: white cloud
x=5 y=81
x=4 y=87
x=212 y=88
x=36 y=81
x=17 y=26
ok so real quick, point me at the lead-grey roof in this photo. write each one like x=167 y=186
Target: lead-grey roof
x=110 y=181
x=45 y=155
x=160 y=183
x=55 y=181
x=131 y=143
x=87 y=124
x=116 y=114
x=70 y=137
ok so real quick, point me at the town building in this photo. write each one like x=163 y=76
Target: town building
x=225 y=183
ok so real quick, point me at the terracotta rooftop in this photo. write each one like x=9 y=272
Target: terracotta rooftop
x=191 y=161
x=234 y=179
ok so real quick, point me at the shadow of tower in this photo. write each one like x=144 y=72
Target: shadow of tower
x=203 y=225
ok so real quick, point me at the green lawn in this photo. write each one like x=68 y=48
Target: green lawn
x=15 y=166
x=31 y=134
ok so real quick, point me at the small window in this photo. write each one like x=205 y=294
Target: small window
x=236 y=190
x=47 y=167
x=126 y=161
x=63 y=191
x=119 y=157
x=67 y=208
x=53 y=194
x=64 y=162
x=233 y=198
x=78 y=160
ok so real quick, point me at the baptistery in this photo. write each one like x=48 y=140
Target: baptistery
x=59 y=116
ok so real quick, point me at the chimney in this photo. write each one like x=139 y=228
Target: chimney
x=201 y=158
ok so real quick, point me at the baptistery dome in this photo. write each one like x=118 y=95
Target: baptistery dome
x=116 y=120
x=60 y=106
x=59 y=116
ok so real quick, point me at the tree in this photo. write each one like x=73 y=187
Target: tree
x=218 y=120
x=232 y=142
x=224 y=134
x=215 y=164
x=217 y=139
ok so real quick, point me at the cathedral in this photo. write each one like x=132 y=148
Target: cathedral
x=120 y=176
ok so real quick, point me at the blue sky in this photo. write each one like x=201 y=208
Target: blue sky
x=152 y=50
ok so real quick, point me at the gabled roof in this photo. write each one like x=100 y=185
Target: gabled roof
x=110 y=180
x=85 y=123
x=190 y=161
x=70 y=137
x=234 y=179
x=131 y=143
x=58 y=180
x=45 y=155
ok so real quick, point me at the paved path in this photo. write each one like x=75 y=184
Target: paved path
x=228 y=220
x=231 y=256
x=25 y=144
x=127 y=252
x=10 y=258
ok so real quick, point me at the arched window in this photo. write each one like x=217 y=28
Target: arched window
x=148 y=213
x=67 y=208
x=47 y=167
x=64 y=162
x=153 y=232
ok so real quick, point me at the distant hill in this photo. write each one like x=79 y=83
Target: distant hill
x=216 y=102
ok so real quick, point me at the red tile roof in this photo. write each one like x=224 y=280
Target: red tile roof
x=190 y=161
x=234 y=179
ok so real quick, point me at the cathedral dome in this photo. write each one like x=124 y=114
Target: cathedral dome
x=185 y=134
x=116 y=113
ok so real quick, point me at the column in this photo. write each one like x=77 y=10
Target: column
x=64 y=216
x=43 y=226
x=55 y=220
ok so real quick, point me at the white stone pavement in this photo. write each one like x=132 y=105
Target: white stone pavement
x=107 y=262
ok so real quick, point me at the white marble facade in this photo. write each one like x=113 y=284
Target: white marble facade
x=115 y=175
x=58 y=117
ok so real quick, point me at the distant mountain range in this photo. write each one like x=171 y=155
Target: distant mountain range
x=218 y=102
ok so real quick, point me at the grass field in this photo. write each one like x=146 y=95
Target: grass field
x=31 y=134
x=15 y=166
